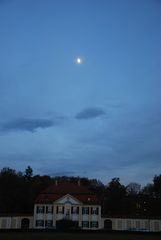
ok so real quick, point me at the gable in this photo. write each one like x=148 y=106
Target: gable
x=68 y=199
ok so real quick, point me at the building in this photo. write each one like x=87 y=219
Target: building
x=69 y=201
x=16 y=221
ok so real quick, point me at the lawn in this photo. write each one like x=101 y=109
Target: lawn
x=77 y=236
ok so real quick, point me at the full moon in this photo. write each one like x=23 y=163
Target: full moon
x=78 y=60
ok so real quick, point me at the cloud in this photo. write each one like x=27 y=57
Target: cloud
x=89 y=113
x=24 y=124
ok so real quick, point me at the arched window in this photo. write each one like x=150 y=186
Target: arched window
x=25 y=223
x=108 y=224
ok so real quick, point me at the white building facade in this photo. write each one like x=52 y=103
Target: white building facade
x=55 y=204
x=132 y=224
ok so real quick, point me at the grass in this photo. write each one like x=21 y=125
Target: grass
x=77 y=236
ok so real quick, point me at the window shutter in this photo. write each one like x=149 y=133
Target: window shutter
x=46 y=209
x=82 y=210
x=91 y=210
x=97 y=210
x=88 y=210
x=43 y=209
x=37 y=209
x=72 y=209
x=78 y=210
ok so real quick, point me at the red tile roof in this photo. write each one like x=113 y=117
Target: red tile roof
x=54 y=192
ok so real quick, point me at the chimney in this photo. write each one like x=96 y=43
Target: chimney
x=56 y=182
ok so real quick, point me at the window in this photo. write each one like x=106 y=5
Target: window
x=60 y=209
x=94 y=224
x=67 y=211
x=49 y=209
x=75 y=210
x=85 y=210
x=40 y=209
x=85 y=224
x=25 y=223
x=39 y=223
x=94 y=210
x=48 y=223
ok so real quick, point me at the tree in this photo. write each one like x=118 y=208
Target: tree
x=133 y=188
x=10 y=190
x=28 y=173
x=157 y=186
x=115 y=197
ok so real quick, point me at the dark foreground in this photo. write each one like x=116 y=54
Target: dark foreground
x=78 y=236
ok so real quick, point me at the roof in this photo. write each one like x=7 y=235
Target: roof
x=56 y=191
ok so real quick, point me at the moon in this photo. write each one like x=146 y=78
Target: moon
x=78 y=60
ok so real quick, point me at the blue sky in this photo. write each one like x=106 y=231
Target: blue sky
x=99 y=119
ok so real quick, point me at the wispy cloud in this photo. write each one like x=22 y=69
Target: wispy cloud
x=23 y=124
x=89 y=113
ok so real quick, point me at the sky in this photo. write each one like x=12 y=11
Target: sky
x=98 y=119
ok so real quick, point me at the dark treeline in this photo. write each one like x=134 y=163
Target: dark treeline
x=18 y=191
